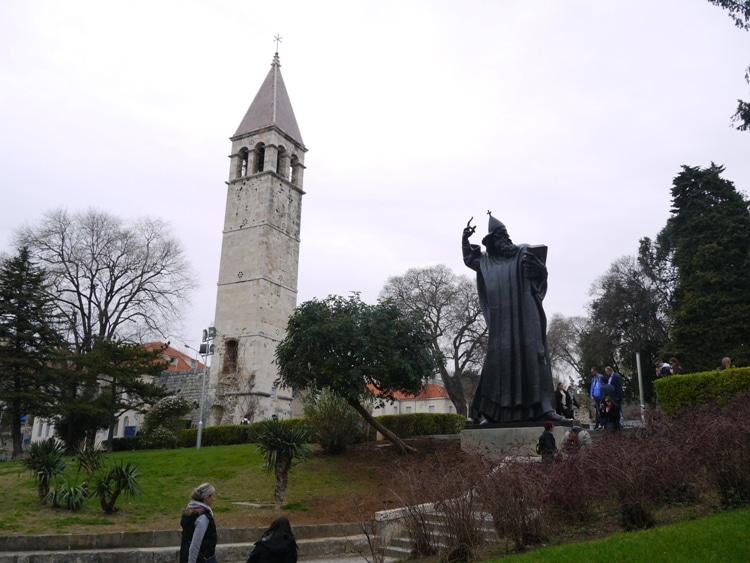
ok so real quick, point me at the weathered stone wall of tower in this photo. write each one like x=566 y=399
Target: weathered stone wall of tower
x=257 y=289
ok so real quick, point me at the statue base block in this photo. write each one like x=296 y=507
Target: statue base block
x=501 y=440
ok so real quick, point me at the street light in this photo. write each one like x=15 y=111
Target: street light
x=206 y=349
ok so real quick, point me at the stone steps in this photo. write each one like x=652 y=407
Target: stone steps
x=399 y=544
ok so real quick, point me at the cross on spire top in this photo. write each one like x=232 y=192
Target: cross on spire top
x=277 y=38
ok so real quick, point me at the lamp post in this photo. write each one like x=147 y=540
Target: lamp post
x=206 y=350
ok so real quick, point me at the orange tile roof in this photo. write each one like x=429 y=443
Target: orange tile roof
x=430 y=391
x=178 y=361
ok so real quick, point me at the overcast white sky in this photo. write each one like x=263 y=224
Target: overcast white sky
x=567 y=118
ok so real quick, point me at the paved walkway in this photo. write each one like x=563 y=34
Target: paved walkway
x=357 y=559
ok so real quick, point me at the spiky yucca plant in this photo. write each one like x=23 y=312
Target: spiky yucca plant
x=120 y=479
x=280 y=445
x=46 y=462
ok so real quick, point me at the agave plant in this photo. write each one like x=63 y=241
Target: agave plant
x=120 y=479
x=69 y=495
x=46 y=462
x=280 y=445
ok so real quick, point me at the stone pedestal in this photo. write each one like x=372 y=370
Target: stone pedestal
x=500 y=440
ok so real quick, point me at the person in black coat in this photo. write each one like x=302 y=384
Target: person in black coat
x=611 y=414
x=547 y=445
x=615 y=380
x=276 y=545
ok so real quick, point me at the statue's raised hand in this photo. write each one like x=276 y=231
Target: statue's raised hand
x=469 y=230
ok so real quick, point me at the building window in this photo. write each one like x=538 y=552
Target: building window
x=408 y=410
x=395 y=409
x=39 y=432
x=230 y=357
x=431 y=408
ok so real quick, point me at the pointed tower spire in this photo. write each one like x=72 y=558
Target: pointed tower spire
x=271 y=107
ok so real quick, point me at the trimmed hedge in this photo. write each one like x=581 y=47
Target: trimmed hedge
x=127 y=444
x=420 y=424
x=228 y=435
x=403 y=425
x=677 y=392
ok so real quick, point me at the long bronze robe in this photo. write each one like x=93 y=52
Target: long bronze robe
x=516 y=380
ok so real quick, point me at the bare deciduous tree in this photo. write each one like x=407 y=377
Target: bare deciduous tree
x=450 y=305
x=564 y=344
x=110 y=277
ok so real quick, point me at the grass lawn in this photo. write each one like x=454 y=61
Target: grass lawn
x=168 y=476
x=721 y=538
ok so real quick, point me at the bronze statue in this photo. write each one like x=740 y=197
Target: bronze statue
x=516 y=380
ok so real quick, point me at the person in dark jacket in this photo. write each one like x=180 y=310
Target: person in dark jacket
x=199 y=536
x=611 y=414
x=547 y=445
x=276 y=545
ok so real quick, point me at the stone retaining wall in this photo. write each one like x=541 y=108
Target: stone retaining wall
x=162 y=546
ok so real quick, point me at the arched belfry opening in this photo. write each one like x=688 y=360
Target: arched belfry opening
x=243 y=161
x=260 y=158
x=295 y=176
x=282 y=163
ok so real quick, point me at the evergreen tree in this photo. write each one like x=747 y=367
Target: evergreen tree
x=356 y=350
x=30 y=346
x=108 y=382
x=708 y=235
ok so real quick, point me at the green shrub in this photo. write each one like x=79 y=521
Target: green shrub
x=678 y=392
x=228 y=434
x=164 y=421
x=332 y=422
x=421 y=424
x=132 y=443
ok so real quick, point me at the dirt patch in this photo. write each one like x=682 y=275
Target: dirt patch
x=380 y=460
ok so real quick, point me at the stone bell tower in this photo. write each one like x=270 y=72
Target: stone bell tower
x=257 y=289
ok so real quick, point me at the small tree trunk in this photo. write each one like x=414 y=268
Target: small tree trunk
x=400 y=445
x=455 y=389
x=111 y=432
x=16 y=430
x=283 y=465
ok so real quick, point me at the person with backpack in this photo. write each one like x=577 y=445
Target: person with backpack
x=577 y=437
x=276 y=545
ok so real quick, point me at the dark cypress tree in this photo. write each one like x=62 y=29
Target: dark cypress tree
x=30 y=346
x=708 y=234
